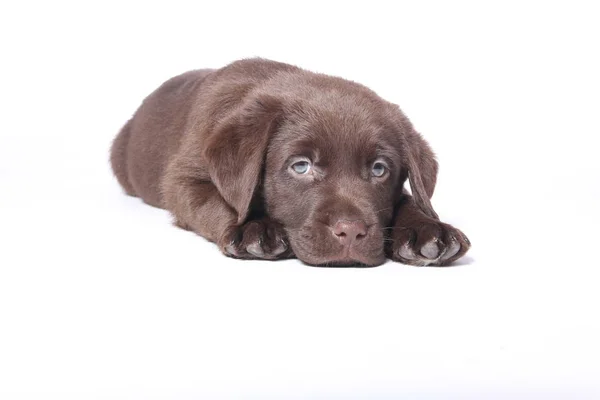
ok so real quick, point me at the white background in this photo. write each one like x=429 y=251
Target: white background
x=100 y=297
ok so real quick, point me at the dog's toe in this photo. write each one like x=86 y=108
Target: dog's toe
x=431 y=250
x=430 y=243
x=258 y=239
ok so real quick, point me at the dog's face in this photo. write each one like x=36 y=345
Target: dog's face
x=329 y=169
x=331 y=177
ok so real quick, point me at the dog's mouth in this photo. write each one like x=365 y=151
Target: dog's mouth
x=350 y=258
x=319 y=248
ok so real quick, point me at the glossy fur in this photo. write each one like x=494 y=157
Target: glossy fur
x=215 y=148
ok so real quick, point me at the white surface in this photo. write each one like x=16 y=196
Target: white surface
x=100 y=297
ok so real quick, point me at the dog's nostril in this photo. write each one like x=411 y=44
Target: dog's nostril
x=347 y=231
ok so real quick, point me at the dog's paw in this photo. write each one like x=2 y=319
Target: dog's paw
x=428 y=243
x=258 y=239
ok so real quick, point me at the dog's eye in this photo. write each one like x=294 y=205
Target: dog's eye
x=379 y=169
x=301 y=167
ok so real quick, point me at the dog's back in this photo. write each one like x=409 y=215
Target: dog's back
x=143 y=147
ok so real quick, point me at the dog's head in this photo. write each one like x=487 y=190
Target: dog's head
x=328 y=165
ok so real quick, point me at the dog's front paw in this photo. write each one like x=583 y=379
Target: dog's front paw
x=257 y=239
x=428 y=243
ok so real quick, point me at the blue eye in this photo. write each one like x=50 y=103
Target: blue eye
x=301 y=167
x=378 y=169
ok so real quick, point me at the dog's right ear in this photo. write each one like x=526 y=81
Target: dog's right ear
x=236 y=148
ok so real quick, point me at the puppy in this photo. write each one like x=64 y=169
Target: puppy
x=271 y=161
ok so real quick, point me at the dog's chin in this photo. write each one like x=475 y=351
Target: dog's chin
x=345 y=264
x=341 y=261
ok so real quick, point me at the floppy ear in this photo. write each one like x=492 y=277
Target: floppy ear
x=422 y=171
x=236 y=149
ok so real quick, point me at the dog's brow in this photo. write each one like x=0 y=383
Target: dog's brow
x=388 y=152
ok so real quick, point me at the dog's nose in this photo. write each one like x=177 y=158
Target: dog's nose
x=349 y=231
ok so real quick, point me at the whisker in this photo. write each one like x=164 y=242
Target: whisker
x=394 y=227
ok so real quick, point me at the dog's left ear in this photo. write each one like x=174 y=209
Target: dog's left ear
x=236 y=149
x=422 y=171
x=422 y=168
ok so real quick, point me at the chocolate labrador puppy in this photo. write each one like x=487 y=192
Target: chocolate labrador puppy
x=271 y=161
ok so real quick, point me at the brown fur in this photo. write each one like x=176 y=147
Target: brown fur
x=215 y=148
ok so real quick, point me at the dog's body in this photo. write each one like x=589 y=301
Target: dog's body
x=271 y=161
